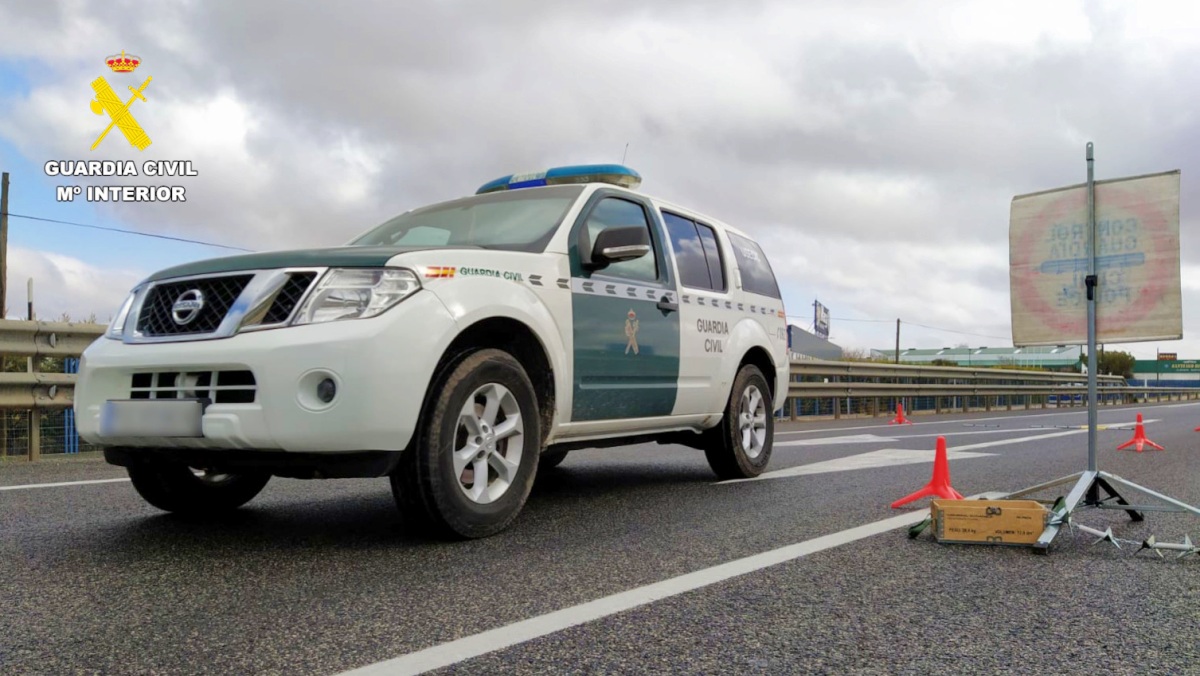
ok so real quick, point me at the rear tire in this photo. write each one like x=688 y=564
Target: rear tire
x=174 y=487
x=472 y=463
x=740 y=447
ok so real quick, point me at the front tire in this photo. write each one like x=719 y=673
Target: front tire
x=740 y=447
x=174 y=487
x=472 y=464
x=552 y=459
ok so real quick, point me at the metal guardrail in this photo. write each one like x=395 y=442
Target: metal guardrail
x=34 y=389
x=833 y=389
x=37 y=392
x=816 y=388
x=46 y=339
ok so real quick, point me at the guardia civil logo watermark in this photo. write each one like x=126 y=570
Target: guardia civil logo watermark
x=107 y=104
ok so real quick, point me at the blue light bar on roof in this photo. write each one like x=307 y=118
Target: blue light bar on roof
x=615 y=174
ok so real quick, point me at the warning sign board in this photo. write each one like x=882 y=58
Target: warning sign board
x=1137 y=263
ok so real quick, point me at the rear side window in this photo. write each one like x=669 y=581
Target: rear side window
x=716 y=267
x=696 y=253
x=756 y=271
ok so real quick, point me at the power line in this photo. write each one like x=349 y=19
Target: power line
x=965 y=333
x=924 y=326
x=130 y=232
x=847 y=319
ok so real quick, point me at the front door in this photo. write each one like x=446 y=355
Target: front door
x=625 y=320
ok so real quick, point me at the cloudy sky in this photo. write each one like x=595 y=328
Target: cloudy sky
x=873 y=147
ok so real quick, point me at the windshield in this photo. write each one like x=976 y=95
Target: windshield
x=519 y=220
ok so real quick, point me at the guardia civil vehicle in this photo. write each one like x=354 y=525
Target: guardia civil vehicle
x=457 y=349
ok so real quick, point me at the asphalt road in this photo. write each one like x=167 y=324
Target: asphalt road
x=322 y=577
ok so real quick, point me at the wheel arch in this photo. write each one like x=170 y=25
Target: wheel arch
x=757 y=356
x=523 y=343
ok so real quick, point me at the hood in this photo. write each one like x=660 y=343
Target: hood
x=341 y=256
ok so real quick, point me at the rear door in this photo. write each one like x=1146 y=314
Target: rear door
x=706 y=314
x=625 y=319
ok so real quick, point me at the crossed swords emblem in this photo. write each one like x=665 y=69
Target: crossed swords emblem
x=106 y=101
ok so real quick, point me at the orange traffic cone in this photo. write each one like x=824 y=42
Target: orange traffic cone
x=1139 y=439
x=900 y=419
x=939 y=486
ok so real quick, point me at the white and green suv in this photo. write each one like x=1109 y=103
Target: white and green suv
x=457 y=349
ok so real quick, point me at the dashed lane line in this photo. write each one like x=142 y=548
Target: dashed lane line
x=21 y=487
x=893 y=456
x=873 y=438
x=876 y=426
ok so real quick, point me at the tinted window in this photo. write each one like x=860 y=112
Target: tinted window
x=689 y=251
x=756 y=272
x=712 y=252
x=519 y=220
x=610 y=212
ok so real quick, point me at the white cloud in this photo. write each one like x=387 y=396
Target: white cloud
x=874 y=145
x=64 y=284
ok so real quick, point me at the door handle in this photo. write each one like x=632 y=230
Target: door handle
x=666 y=305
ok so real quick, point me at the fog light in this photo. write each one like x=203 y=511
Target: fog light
x=326 y=390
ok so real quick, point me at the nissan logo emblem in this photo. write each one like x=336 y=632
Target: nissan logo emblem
x=187 y=306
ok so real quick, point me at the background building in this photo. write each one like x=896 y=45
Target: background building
x=802 y=344
x=1167 y=373
x=1058 y=358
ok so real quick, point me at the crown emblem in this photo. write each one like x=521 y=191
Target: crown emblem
x=123 y=63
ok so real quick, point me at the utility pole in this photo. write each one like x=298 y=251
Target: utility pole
x=3 y=289
x=3 y=243
x=897 y=360
x=35 y=413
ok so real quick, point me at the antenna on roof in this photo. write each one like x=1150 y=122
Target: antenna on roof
x=625 y=153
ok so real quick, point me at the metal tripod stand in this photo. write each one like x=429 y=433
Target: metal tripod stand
x=1089 y=483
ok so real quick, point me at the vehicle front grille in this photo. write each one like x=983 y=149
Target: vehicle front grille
x=219 y=293
x=221 y=387
x=288 y=297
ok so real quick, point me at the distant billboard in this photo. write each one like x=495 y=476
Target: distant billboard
x=820 y=320
x=1137 y=263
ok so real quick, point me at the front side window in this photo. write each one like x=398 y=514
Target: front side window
x=517 y=220
x=757 y=276
x=613 y=212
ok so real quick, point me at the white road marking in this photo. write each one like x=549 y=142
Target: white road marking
x=893 y=456
x=886 y=457
x=61 y=483
x=847 y=439
x=453 y=652
x=870 y=438
x=1080 y=410
x=1108 y=426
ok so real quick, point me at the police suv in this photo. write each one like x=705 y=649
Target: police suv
x=458 y=349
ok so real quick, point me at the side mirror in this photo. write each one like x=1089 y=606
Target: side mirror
x=619 y=243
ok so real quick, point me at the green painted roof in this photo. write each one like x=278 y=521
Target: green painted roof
x=1054 y=356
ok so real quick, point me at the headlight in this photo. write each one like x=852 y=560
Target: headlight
x=356 y=293
x=116 y=328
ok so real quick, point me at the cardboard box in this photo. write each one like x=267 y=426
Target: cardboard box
x=993 y=522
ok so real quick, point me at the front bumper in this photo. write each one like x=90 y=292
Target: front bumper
x=381 y=367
